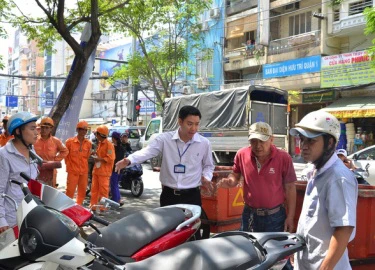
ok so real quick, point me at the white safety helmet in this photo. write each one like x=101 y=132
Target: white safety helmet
x=317 y=123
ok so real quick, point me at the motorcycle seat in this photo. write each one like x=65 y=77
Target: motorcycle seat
x=230 y=252
x=129 y=234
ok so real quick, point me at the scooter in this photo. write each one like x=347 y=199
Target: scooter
x=131 y=179
x=134 y=237
x=39 y=247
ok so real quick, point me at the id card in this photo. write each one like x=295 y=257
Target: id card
x=179 y=168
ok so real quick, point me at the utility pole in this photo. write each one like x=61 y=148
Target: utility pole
x=131 y=99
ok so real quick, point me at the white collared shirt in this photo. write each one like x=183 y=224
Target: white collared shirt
x=197 y=159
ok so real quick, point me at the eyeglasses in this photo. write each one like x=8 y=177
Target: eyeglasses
x=85 y=129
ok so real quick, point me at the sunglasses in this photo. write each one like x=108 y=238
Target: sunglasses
x=82 y=129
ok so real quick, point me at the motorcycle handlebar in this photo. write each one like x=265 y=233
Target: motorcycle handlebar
x=100 y=220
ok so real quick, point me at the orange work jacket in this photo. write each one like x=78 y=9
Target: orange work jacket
x=105 y=150
x=77 y=159
x=4 y=139
x=51 y=149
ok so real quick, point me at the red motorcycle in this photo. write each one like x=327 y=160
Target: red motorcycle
x=134 y=237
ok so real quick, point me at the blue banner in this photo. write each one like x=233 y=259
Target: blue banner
x=292 y=67
x=67 y=125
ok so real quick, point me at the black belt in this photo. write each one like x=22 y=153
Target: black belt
x=179 y=192
x=266 y=211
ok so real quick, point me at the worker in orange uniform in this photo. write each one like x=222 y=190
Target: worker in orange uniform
x=5 y=136
x=104 y=160
x=77 y=162
x=49 y=148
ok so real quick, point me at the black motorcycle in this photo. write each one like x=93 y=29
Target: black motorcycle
x=131 y=179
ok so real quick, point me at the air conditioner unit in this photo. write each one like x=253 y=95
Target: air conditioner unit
x=205 y=26
x=214 y=13
x=186 y=90
x=291 y=7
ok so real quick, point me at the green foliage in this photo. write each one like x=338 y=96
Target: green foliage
x=336 y=2
x=370 y=28
x=168 y=26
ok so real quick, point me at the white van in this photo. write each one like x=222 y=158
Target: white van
x=154 y=127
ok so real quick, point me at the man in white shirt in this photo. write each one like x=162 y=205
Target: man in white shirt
x=186 y=160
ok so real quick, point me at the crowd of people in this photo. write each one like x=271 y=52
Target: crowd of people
x=328 y=217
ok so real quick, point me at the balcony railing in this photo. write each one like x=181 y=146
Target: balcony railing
x=294 y=43
x=251 y=51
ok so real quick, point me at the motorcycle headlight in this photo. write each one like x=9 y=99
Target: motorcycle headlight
x=29 y=242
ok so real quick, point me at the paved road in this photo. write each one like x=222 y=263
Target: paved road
x=148 y=200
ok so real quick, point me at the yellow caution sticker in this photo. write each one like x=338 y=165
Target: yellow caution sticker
x=238 y=200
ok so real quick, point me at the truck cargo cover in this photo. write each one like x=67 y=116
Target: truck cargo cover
x=221 y=109
x=225 y=109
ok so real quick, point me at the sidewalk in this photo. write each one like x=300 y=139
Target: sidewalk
x=148 y=200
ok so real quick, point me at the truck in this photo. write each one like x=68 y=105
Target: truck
x=226 y=117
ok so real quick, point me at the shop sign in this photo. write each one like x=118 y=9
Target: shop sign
x=346 y=69
x=317 y=97
x=292 y=67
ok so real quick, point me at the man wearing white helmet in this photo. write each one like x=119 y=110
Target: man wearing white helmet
x=328 y=215
x=14 y=159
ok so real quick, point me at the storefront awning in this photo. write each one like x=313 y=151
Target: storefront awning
x=352 y=107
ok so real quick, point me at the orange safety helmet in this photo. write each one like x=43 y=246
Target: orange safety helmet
x=47 y=121
x=102 y=130
x=82 y=124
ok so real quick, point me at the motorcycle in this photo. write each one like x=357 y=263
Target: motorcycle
x=130 y=179
x=39 y=247
x=172 y=225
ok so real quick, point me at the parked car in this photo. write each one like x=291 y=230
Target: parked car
x=133 y=132
x=363 y=157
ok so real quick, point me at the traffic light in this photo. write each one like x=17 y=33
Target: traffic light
x=137 y=107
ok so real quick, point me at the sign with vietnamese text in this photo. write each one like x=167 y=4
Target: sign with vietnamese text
x=11 y=101
x=292 y=67
x=316 y=96
x=346 y=69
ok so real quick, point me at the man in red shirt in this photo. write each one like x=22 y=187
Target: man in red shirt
x=268 y=186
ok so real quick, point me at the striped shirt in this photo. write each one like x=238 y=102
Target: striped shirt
x=12 y=163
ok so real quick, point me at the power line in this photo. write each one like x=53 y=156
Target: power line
x=24 y=77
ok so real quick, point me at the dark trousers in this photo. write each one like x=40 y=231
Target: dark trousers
x=169 y=196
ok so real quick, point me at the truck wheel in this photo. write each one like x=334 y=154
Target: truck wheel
x=204 y=230
x=136 y=187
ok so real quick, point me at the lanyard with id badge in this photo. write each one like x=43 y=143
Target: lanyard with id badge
x=180 y=168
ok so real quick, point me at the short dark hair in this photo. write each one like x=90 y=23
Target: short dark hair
x=185 y=111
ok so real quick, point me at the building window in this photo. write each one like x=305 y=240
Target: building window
x=204 y=64
x=359 y=7
x=300 y=23
x=336 y=15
